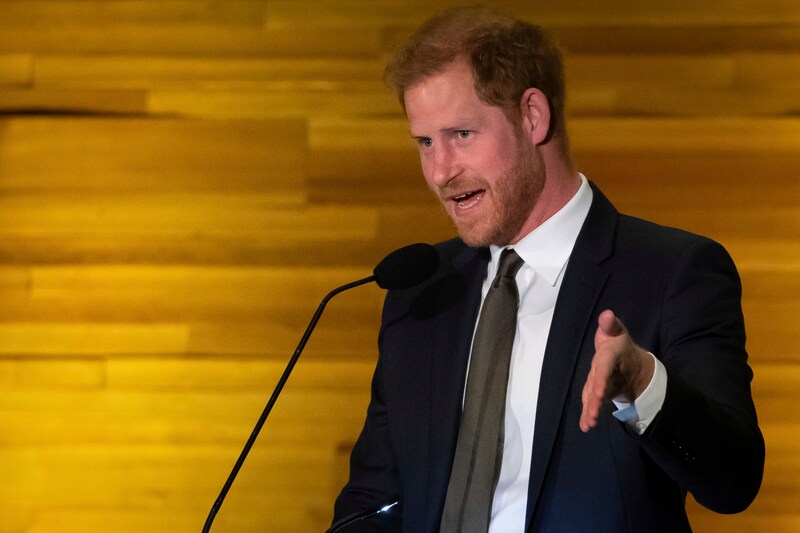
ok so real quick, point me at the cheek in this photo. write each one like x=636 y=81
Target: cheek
x=498 y=157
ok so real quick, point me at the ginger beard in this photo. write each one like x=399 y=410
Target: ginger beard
x=513 y=196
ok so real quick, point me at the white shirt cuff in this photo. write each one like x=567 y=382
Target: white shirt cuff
x=644 y=409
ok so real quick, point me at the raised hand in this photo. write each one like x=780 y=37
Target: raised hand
x=620 y=369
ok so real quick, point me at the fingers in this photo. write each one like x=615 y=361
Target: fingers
x=594 y=390
x=603 y=366
x=591 y=406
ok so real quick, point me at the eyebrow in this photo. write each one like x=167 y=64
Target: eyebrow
x=459 y=127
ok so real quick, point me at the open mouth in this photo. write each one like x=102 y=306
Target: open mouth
x=469 y=199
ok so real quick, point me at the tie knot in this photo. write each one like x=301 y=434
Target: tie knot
x=510 y=263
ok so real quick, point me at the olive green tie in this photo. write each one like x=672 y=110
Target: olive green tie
x=479 y=450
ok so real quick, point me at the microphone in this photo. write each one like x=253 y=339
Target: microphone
x=401 y=269
x=406 y=267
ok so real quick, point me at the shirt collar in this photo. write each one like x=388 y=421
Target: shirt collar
x=547 y=248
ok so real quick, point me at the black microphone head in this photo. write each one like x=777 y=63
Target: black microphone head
x=407 y=266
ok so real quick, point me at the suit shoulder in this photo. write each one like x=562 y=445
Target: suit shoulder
x=644 y=237
x=451 y=249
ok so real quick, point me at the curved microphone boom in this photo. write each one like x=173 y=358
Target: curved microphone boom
x=401 y=269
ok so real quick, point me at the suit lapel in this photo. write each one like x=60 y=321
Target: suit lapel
x=457 y=308
x=574 y=313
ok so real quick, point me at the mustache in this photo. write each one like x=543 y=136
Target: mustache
x=460 y=186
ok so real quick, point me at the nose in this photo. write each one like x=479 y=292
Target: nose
x=442 y=165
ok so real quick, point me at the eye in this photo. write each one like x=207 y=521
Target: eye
x=463 y=134
x=425 y=142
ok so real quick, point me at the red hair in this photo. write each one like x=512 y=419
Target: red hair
x=507 y=57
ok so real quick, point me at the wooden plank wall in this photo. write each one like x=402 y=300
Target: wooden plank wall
x=182 y=181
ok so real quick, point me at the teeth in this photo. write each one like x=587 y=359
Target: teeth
x=475 y=199
x=461 y=197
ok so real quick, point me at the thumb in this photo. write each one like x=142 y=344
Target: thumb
x=609 y=325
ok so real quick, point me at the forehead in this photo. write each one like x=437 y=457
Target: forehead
x=446 y=100
x=455 y=76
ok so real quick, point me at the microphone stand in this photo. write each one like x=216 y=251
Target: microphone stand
x=278 y=388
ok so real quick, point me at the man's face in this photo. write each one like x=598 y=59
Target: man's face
x=486 y=174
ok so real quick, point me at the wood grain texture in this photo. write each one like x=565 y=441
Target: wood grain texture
x=181 y=182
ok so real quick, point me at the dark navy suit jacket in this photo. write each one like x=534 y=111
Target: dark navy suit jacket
x=679 y=296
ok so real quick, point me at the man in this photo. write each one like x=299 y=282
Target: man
x=626 y=381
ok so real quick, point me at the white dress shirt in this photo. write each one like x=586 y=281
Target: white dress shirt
x=546 y=251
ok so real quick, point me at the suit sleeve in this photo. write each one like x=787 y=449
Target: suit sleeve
x=706 y=436
x=373 y=478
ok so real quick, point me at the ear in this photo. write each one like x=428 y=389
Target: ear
x=535 y=115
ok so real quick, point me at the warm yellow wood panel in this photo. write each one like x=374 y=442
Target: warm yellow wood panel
x=763 y=251
x=62 y=13
x=203 y=73
x=158 y=293
x=654 y=37
x=721 y=221
x=698 y=71
x=168 y=228
x=274 y=339
x=46 y=374
x=168 y=477
x=281 y=13
x=650 y=72
x=190 y=40
x=772 y=329
x=133 y=154
x=261 y=338
x=188 y=283
x=256 y=216
x=251 y=515
x=629 y=100
x=34 y=338
x=781 y=380
x=205 y=248
x=367 y=176
x=688 y=135
x=273 y=104
x=573 y=12
x=63 y=418
x=122 y=102
x=16 y=70
x=239 y=374
x=14 y=279
x=641 y=182
x=692 y=84
x=771 y=280
x=362 y=133
x=776 y=69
